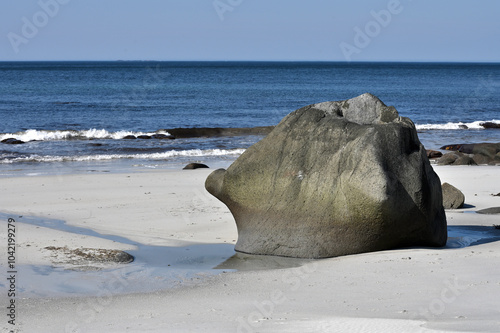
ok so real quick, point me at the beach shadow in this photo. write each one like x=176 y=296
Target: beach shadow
x=180 y=261
x=190 y=256
x=155 y=267
x=253 y=262
x=471 y=235
x=468 y=206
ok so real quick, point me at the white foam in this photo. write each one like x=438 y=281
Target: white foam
x=153 y=156
x=455 y=126
x=93 y=133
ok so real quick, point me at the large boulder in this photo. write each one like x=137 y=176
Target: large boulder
x=332 y=179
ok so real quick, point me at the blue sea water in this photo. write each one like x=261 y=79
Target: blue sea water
x=73 y=115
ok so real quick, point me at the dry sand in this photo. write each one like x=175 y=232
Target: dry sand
x=186 y=276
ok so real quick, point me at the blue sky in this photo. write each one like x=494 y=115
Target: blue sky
x=325 y=30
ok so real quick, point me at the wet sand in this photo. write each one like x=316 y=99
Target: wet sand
x=186 y=276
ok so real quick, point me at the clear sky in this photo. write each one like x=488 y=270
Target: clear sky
x=326 y=30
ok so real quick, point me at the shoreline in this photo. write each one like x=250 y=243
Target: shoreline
x=161 y=215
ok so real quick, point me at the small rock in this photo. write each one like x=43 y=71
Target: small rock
x=453 y=198
x=465 y=160
x=433 y=154
x=456 y=158
x=129 y=137
x=481 y=159
x=447 y=159
x=144 y=137
x=192 y=166
x=87 y=255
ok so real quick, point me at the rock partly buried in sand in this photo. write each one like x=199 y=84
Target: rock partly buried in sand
x=192 y=166
x=85 y=256
x=453 y=198
x=332 y=179
x=489 y=211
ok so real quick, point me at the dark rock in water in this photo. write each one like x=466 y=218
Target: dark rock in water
x=332 y=179
x=12 y=141
x=434 y=154
x=489 y=211
x=129 y=137
x=489 y=150
x=489 y=124
x=463 y=127
x=163 y=137
x=496 y=195
x=217 y=131
x=463 y=148
x=192 y=166
x=144 y=137
x=453 y=198
x=451 y=147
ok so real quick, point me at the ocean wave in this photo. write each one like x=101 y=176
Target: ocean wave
x=152 y=156
x=46 y=135
x=476 y=125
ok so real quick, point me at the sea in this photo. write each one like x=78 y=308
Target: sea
x=73 y=116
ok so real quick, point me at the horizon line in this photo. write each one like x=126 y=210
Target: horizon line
x=262 y=61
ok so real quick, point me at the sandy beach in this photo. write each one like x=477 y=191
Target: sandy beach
x=186 y=276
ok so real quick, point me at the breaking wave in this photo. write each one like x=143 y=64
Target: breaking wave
x=476 y=125
x=152 y=156
x=44 y=135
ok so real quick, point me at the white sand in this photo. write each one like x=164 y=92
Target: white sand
x=166 y=218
